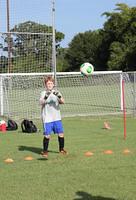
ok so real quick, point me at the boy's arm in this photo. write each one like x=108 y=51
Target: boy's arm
x=59 y=95
x=61 y=100
x=44 y=97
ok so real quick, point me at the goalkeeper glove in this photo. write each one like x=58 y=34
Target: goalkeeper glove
x=58 y=94
x=47 y=95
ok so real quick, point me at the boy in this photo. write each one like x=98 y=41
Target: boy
x=51 y=117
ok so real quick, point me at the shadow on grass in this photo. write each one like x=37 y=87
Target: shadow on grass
x=34 y=149
x=86 y=196
x=42 y=159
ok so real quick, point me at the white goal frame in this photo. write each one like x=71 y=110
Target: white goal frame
x=66 y=76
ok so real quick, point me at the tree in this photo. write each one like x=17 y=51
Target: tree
x=3 y=64
x=119 y=40
x=111 y=48
x=31 y=46
x=62 y=64
x=84 y=48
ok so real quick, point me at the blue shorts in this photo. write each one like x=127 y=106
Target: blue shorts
x=55 y=127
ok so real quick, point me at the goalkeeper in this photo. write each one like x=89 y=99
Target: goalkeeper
x=51 y=117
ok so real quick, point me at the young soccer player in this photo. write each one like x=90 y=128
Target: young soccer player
x=50 y=100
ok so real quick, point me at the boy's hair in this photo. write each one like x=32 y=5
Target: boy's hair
x=48 y=78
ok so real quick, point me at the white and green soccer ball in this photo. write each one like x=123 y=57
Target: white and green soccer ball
x=86 y=69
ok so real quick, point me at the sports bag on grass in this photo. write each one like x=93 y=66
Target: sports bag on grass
x=28 y=126
x=11 y=125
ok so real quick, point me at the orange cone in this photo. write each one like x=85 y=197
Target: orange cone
x=28 y=158
x=88 y=153
x=126 y=151
x=9 y=160
x=107 y=126
x=108 y=152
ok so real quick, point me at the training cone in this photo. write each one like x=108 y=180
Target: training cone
x=28 y=158
x=88 y=153
x=108 y=152
x=107 y=126
x=126 y=151
x=9 y=160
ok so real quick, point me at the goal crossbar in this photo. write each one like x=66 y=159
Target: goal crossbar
x=60 y=73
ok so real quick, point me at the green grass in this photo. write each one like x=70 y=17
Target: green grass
x=71 y=177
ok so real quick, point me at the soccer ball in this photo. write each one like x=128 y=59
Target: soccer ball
x=86 y=69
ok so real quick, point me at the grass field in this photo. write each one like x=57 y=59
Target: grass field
x=74 y=176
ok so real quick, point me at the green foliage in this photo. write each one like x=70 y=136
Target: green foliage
x=31 y=52
x=119 y=38
x=117 y=57
x=62 y=64
x=84 y=48
x=32 y=27
x=3 y=64
x=111 y=48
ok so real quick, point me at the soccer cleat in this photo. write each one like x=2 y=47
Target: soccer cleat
x=63 y=152
x=44 y=154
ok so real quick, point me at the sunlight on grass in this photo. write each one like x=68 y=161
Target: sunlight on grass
x=74 y=176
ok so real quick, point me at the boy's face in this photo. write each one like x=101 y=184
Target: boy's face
x=49 y=85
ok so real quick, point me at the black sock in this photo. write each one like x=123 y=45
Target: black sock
x=45 y=143
x=61 y=143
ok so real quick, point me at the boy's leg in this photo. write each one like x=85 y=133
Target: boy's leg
x=58 y=128
x=46 y=139
x=45 y=143
x=61 y=141
x=45 y=146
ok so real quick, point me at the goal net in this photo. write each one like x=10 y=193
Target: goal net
x=99 y=94
x=26 y=36
x=24 y=52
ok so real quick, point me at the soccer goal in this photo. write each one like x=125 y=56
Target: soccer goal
x=98 y=95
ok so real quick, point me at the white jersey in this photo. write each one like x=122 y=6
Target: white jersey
x=50 y=108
